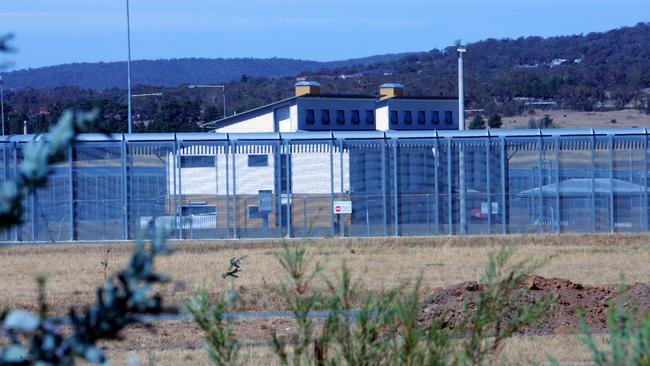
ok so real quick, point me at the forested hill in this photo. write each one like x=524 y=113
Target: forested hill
x=174 y=72
x=596 y=70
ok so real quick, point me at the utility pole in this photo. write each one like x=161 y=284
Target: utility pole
x=461 y=154
x=128 y=63
x=2 y=104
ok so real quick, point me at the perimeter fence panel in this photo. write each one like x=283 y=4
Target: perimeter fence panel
x=416 y=186
x=524 y=191
x=311 y=190
x=264 y=187
x=575 y=189
x=97 y=188
x=603 y=184
x=628 y=182
x=261 y=189
x=199 y=190
x=149 y=166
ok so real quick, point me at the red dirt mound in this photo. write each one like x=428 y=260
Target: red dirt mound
x=448 y=305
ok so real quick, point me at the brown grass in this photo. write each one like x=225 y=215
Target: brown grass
x=567 y=119
x=74 y=270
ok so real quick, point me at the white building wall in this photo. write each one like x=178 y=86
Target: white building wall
x=294 y=117
x=283 y=118
x=262 y=123
x=381 y=117
x=310 y=175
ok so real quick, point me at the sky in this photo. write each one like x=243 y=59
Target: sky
x=50 y=32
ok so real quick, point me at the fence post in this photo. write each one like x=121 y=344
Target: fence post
x=540 y=148
x=504 y=212
x=436 y=184
x=644 y=205
x=71 y=192
x=342 y=193
x=287 y=162
x=557 y=186
x=593 y=183
x=125 y=204
x=488 y=181
x=610 y=143
x=226 y=151
x=450 y=207
x=234 y=191
x=383 y=185
x=331 y=208
x=396 y=198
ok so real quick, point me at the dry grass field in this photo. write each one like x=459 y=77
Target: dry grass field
x=74 y=270
x=568 y=119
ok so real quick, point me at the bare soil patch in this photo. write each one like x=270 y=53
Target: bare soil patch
x=567 y=300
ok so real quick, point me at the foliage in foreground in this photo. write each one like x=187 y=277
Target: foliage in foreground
x=376 y=329
x=628 y=341
x=39 y=339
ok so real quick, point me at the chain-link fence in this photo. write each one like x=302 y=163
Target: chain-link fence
x=214 y=186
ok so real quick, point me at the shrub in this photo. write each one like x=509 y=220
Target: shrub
x=381 y=328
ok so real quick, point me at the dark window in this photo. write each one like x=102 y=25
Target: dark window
x=325 y=116
x=198 y=210
x=310 y=117
x=370 y=117
x=422 y=117
x=197 y=161
x=258 y=161
x=355 y=117
x=449 y=119
x=435 y=117
x=394 y=119
x=340 y=117
x=408 y=117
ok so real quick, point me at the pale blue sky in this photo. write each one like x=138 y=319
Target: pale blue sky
x=62 y=31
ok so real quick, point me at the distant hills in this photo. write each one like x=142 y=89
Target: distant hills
x=600 y=71
x=172 y=72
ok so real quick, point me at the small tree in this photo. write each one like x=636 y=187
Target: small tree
x=478 y=123
x=495 y=121
x=545 y=122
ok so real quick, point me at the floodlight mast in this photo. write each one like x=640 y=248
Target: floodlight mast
x=461 y=89
x=461 y=152
x=128 y=64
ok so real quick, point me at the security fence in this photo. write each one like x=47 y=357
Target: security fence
x=218 y=186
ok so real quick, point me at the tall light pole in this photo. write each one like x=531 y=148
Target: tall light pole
x=128 y=63
x=2 y=104
x=461 y=89
x=461 y=155
x=223 y=90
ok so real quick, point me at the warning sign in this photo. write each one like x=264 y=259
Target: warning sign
x=342 y=207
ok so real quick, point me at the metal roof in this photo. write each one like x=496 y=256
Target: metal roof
x=304 y=135
x=586 y=186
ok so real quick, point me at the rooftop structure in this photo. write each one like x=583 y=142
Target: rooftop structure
x=311 y=110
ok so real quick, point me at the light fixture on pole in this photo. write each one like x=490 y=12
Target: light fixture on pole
x=128 y=63
x=223 y=90
x=461 y=152
x=461 y=88
x=2 y=104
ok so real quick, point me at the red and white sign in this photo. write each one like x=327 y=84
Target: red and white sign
x=342 y=207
